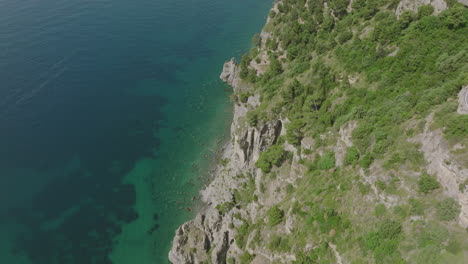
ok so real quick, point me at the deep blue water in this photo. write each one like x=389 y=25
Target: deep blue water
x=110 y=112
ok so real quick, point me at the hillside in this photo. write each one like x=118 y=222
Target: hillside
x=349 y=140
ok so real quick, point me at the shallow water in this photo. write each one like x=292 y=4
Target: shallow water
x=110 y=113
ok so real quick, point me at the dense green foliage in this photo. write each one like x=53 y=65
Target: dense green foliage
x=326 y=161
x=274 y=216
x=427 y=183
x=383 y=242
x=275 y=155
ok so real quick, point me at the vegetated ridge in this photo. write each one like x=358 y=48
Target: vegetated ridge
x=349 y=142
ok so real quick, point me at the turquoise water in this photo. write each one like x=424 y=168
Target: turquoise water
x=110 y=113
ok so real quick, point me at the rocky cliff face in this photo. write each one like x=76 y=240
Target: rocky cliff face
x=210 y=235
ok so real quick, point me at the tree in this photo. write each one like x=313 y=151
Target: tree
x=256 y=40
x=292 y=91
x=275 y=66
x=294 y=132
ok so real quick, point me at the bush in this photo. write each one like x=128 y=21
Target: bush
x=416 y=207
x=366 y=160
x=352 y=156
x=364 y=188
x=246 y=258
x=274 y=215
x=448 y=209
x=425 y=10
x=252 y=118
x=427 y=183
x=380 y=210
x=345 y=36
x=294 y=132
x=244 y=97
x=275 y=66
x=275 y=155
x=279 y=243
x=245 y=193
x=225 y=207
x=242 y=235
x=385 y=240
x=326 y=161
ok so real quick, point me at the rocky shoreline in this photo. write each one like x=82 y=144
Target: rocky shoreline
x=209 y=235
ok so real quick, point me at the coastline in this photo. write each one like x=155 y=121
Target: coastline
x=208 y=236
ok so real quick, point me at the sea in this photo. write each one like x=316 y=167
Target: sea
x=111 y=114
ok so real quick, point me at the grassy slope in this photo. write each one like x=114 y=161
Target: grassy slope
x=329 y=68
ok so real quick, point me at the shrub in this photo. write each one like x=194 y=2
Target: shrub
x=448 y=209
x=427 y=183
x=252 y=118
x=275 y=66
x=292 y=91
x=275 y=155
x=416 y=207
x=225 y=207
x=326 y=161
x=384 y=241
x=364 y=188
x=246 y=258
x=425 y=10
x=244 y=97
x=294 y=132
x=381 y=185
x=380 y=210
x=352 y=156
x=366 y=160
x=245 y=193
x=279 y=243
x=274 y=215
x=242 y=235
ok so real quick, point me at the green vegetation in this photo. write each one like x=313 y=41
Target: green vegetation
x=448 y=209
x=246 y=258
x=274 y=216
x=225 y=207
x=275 y=155
x=242 y=235
x=427 y=183
x=326 y=161
x=384 y=241
x=246 y=192
x=378 y=81
x=352 y=156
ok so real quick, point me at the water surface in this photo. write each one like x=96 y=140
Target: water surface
x=110 y=113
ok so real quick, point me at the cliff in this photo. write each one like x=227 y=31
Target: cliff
x=210 y=236
x=348 y=143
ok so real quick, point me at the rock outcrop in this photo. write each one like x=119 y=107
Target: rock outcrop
x=413 y=5
x=463 y=101
x=441 y=164
x=208 y=237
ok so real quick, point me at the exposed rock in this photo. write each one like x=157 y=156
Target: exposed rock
x=413 y=5
x=465 y=2
x=229 y=73
x=209 y=232
x=463 y=101
x=344 y=141
x=450 y=174
x=339 y=260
